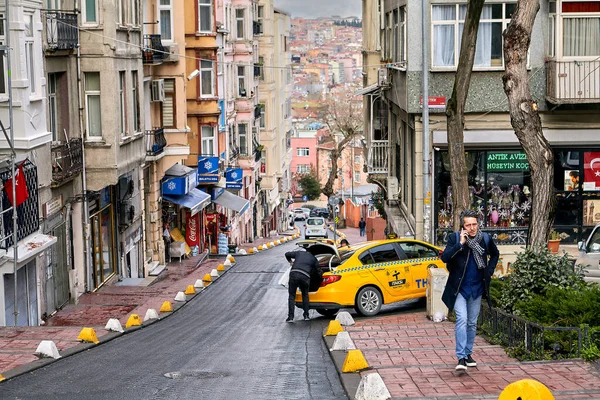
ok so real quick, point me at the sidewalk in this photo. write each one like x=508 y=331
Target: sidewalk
x=415 y=358
x=18 y=344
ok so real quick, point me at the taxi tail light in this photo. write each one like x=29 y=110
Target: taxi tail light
x=440 y=253
x=327 y=280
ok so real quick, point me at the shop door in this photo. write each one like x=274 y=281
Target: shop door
x=57 y=274
x=102 y=246
x=26 y=296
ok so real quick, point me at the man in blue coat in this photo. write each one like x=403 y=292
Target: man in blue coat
x=471 y=257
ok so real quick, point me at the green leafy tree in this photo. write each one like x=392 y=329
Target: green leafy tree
x=310 y=184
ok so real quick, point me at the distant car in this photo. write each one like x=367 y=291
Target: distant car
x=299 y=214
x=315 y=227
x=306 y=211
x=367 y=275
x=319 y=212
x=589 y=256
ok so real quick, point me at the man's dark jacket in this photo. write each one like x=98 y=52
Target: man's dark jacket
x=362 y=224
x=456 y=256
x=307 y=265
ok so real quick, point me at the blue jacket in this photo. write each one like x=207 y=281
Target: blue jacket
x=456 y=257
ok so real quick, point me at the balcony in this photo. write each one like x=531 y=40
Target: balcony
x=67 y=161
x=61 y=31
x=153 y=51
x=377 y=162
x=155 y=141
x=573 y=82
x=234 y=153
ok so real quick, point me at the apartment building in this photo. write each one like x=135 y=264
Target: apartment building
x=275 y=110
x=563 y=76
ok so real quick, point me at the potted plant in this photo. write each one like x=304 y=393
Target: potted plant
x=554 y=241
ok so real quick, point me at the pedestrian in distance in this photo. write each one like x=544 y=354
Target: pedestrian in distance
x=470 y=257
x=305 y=267
x=362 y=225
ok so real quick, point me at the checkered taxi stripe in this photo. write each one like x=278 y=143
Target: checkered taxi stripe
x=386 y=264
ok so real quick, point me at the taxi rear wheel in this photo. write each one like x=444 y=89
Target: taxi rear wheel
x=368 y=301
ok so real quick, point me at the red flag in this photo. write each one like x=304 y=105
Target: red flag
x=21 y=187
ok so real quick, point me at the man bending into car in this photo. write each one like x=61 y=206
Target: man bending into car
x=304 y=266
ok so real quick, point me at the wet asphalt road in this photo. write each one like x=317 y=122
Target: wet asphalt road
x=229 y=342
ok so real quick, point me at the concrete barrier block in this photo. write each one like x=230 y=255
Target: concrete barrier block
x=150 y=314
x=344 y=318
x=372 y=387
x=343 y=342
x=47 y=349
x=114 y=325
x=180 y=296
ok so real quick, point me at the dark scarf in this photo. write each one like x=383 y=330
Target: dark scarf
x=474 y=244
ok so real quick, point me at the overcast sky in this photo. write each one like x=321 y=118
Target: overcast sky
x=321 y=8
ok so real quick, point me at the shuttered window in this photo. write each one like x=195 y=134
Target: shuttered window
x=168 y=105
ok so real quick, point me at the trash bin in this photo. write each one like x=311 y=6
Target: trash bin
x=436 y=282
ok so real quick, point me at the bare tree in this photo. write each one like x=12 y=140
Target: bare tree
x=344 y=117
x=455 y=111
x=526 y=122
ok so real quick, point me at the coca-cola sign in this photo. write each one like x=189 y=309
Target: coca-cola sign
x=192 y=230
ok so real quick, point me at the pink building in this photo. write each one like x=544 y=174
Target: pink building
x=304 y=155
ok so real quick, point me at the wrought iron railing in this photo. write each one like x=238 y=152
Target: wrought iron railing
x=153 y=51
x=573 y=82
x=67 y=161
x=61 y=30
x=155 y=141
x=528 y=339
x=377 y=161
x=234 y=153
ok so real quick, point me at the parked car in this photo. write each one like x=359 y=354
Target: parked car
x=299 y=214
x=306 y=211
x=319 y=212
x=589 y=256
x=367 y=275
x=315 y=227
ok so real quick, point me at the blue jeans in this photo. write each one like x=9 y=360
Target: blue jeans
x=467 y=312
x=362 y=232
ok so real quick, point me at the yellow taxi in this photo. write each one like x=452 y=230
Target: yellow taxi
x=367 y=275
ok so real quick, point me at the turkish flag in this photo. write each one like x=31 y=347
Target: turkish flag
x=591 y=171
x=20 y=187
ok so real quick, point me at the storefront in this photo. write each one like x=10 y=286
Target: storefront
x=500 y=190
x=102 y=237
x=225 y=214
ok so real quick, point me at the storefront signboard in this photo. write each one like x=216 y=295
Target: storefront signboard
x=176 y=185
x=508 y=161
x=192 y=230
x=234 y=178
x=591 y=170
x=192 y=180
x=216 y=192
x=52 y=206
x=208 y=169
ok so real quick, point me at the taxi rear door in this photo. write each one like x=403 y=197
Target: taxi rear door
x=388 y=268
x=419 y=257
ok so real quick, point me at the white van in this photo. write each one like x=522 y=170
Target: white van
x=315 y=227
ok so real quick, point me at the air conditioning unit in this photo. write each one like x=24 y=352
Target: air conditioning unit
x=158 y=90
x=126 y=214
x=382 y=77
x=126 y=187
x=392 y=188
x=173 y=55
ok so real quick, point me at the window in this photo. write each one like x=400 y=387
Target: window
x=448 y=22
x=240 y=16
x=90 y=11
x=262 y=115
x=52 y=106
x=30 y=54
x=416 y=250
x=205 y=16
x=92 y=105
x=207 y=145
x=165 y=20
x=303 y=168
x=122 y=105
x=243 y=135
x=384 y=253
x=128 y=12
x=168 y=105
x=260 y=17
x=241 y=77
x=581 y=28
x=53 y=4
x=302 y=151
x=206 y=78
x=261 y=66
x=356 y=176
x=356 y=159
x=3 y=59
x=136 y=102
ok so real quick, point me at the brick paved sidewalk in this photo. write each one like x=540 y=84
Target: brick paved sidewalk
x=18 y=344
x=415 y=357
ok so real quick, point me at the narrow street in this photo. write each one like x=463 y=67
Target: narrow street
x=230 y=342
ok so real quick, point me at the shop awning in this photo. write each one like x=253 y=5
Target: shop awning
x=195 y=200
x=30 y=247
x=232 y=201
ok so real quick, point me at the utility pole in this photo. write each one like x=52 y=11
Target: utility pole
x=426 y=140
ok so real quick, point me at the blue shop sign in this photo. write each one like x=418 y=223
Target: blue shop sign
x=233 y=177
x=208 y=169
x=177 y=185
x=216 y=192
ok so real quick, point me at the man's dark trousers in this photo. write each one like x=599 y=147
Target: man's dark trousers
x=298 y=280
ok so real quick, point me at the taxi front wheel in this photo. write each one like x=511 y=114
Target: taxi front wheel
x=368 y=301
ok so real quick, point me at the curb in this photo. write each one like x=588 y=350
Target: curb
x=350 y=380
x=109 y=336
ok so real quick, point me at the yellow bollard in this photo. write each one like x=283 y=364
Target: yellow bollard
x=231 y=259
x=190 y=290
x=133 y=320
x=207 y=279
x=355 y=361
x=250 y=251
x=221 y=267
x=166 y=307
x=526 y=389
x=88 y=335
x=333 y=328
